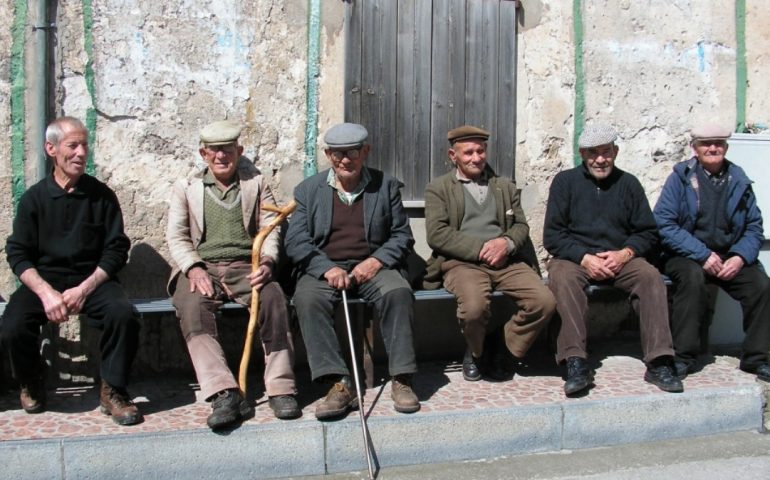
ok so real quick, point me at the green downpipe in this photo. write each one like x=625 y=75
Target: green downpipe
x=88 y=41
x=580 y=100
x=741 y=78
x=18 y=84
x=311 y=107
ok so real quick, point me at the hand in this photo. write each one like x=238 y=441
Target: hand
x=337 y=278
x=200 y=281
x=54 y=306
x=713 y=265
x=730 y=268
x=494 y=252
x=366 y=270
x=260 y=277
x=74 y=298
x=615 y=259
x=596 y=268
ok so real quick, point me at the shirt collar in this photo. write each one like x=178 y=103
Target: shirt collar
x=56 y=191
x=349 y=197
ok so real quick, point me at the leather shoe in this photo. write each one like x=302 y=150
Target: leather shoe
x=579 y=376
x=404 y=398
x=761 y=371
x=32 y=396
x=662 y=376
x=682 y=369
x=116 y=403
x=284 y=407
x=471 y=369
x=340 y=399
x=228 y=406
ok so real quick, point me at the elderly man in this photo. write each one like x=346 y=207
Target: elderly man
x=478 y=231
x=212 y=221
x=599 y=228
x=350 y=231
x=711 y=230
x=66 y=248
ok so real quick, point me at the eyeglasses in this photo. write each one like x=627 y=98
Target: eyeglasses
x=352 y=154
x=227 y=149
x=708 y=143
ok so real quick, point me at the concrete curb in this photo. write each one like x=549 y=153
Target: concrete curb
x=308 y=447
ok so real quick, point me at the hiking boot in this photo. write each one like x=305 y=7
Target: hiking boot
x=116 y=403
x=471 y=367
x=579 y=376
x=404 y=398
x=682 y=369
x=340 y=399
x=227 y=407
x=284 y=407
x=662 y=376
x=762 y=371
x=32 y=396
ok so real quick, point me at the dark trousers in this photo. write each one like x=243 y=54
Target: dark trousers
x=750 y=287
x=107 y=308
x=647 y=293
x=315 y=302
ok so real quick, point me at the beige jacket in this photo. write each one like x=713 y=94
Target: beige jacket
x=185 y=217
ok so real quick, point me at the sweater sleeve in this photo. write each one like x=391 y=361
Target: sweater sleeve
x=643 y=235
x=557 y=238
x=22 y=245
x=116 y=243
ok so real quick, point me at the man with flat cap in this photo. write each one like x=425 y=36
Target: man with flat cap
x=478 y=232
x=599 y=228
x=350 y=232
x=212 y=221
x=711 y=231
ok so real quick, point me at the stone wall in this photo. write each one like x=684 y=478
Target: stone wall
x=161 y=70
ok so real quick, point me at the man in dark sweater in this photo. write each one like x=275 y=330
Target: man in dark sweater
x=599 y=228
x=711 y=230
x=66 y=248
x=350 y=231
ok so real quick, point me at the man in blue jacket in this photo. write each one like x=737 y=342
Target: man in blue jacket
x=711 y=230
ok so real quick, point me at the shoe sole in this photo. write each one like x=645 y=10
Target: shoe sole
x=123 y=421
x=678 y=389
x=472 y=379
x=573 y=391
x=410 y=409
x=330 y=414
x=35 y=410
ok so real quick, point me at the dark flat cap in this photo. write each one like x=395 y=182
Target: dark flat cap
x=346 y=135
x=710 y=131
x=597 y=134
x=466 y=132
x=220 y=133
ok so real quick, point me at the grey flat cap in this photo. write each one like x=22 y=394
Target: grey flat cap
x=346 y=135
x=595 y=135
x=220 y=133
x=710 y=131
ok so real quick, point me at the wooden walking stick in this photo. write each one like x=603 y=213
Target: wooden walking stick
x=256 y=251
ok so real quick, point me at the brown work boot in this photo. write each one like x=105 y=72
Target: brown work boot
x=340 y=399
x=32 y=396
x=116 y=403
x=404 y=398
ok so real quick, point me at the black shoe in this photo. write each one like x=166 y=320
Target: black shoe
x=761 y=371
x=227 y=406
x=471 y=370
x=579 y=376
x=284 y=407
x=662 y=376
x=682 y=369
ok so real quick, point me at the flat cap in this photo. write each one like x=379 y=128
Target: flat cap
x=597 y=134
x=466 y=132
x=220 y=133
x=346 y=135
x=710 y=131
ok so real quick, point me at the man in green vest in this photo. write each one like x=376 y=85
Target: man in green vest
x=477 y=230
x=213 y=219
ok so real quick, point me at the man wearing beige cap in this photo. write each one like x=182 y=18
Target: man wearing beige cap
x=711 y=230
x=212 y=221
x=350 y=232
x=479 y=236
x=599 y=228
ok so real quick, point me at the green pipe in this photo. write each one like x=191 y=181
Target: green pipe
x=311 y=107
x=39 y=106
x=88 y=35
x=741 y=79
x=580 y=101
x=17 y=101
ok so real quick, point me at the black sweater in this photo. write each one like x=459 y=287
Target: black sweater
x=64 y=233
x=589 y=216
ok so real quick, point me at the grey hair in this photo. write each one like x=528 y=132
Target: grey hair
x=59 y=127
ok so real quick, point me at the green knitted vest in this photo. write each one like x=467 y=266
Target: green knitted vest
x=480 y=221
x=225 y=239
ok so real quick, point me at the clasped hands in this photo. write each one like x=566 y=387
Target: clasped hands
x=201 y=282
x=723 y=270
x=605 y=265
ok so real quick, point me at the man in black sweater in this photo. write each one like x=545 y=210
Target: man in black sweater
x=66 y=247
x=599 y=228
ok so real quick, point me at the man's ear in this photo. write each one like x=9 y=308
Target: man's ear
x=50 y=149
x=617 y=149
x=202 y=152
